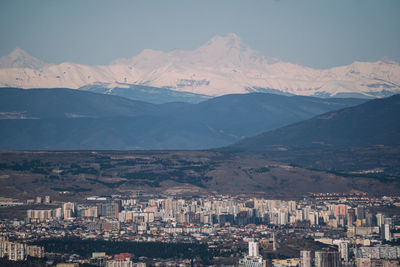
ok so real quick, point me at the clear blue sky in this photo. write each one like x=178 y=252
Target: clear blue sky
x=316 y=33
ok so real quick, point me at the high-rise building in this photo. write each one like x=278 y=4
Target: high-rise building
x=68 y=210
x=341 y=209
x=38 y=200
x=360 y=213
x=253 y=249
x=39 y=215
x=327 y=259
x=108 y=209
x=386 y=232
x=283 y=217
x=380 y=219
x=313 y=217
x=292 y=205
x=47 y=200
x=15 y=251
x=385 y=229
x=305 y=258
x=377 y=252
x=35 y=251
x=90 y=212
x=351 y=217
x=57 y=213
x=343 y=247
x=253 y=259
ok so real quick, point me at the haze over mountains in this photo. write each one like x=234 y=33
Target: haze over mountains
x=73 y=119
x=224 y=65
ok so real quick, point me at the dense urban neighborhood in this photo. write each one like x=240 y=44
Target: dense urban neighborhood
x=157 y=230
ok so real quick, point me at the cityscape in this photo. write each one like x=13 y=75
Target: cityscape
x=223 y=133
x=325 y=229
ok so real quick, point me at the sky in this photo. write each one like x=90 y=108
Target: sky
x=314 y=33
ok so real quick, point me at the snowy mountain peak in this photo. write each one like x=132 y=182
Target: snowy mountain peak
x=18 y=52
x=229 y=52
x=145 y=55
x=230 y=40
x=225 y=43
x=387 y=60
x=18 y=58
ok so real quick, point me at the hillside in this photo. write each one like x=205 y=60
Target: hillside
x=73 y=119
x=359 y=141
x=375 y=122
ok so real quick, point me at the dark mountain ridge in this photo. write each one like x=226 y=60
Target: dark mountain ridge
x=71 y=119
x=375 y=122
x=149 y=94
x=62 y=102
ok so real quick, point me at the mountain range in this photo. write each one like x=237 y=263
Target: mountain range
x=69 y=119
x=224 y=65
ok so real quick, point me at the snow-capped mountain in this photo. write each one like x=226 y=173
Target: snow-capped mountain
x=18 y=58
x=224 y=65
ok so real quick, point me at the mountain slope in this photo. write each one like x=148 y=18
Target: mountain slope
x=375 y=122
x=73 y=119
x=245 y=115
x=224 y=65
